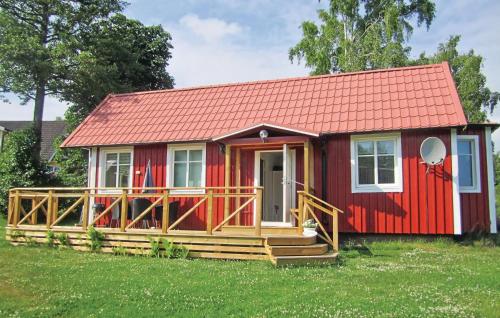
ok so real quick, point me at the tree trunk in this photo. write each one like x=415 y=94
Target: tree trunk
x=38 y=118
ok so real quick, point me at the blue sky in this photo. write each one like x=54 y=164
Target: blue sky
x=219 y=41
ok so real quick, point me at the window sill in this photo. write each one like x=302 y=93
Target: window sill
x=187 y=191
x=469 y=190
x=378 y=189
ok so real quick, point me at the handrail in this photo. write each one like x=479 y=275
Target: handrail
x=49 y=201
x=308 y=202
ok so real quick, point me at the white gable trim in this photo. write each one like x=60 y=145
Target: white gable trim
x=238 y=131
x=457 y=213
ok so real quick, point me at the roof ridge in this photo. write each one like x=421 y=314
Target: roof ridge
x=283 y=79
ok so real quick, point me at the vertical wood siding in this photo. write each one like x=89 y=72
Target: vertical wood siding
x=475 y=207
x=424 y=207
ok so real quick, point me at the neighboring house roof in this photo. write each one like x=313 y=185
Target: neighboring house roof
x=379 y=100
x=50 y=130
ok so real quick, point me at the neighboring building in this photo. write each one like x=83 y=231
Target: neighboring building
x=50 y=131
x=363 y=132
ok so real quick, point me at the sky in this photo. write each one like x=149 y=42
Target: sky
x=221 y=41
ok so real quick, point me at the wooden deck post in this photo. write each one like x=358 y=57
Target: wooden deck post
x=258 y=213
x=50 y=208
x=307 y=148
x=34 y=216
x=300 y=220
x=165 y=217
x=209 y=211
x=17 y=209
x=238 y=182
x=10 y=208
x=55 y=206
x=227 y=179
x=85 y=210
x=335 y=230
x=124 y=210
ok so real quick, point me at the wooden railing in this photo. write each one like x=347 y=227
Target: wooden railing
x=308 y=206
x=48 y=202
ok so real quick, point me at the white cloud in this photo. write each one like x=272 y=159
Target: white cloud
x=211 y=29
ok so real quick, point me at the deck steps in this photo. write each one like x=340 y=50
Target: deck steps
x=265 y=230
x=290 y=240
x=298 y=250
x=327 y=258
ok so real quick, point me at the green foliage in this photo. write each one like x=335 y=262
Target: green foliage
x=51 y=238
x=119 y=250
x=41 y=44
x=63 y=239
x=95 y=239
x=72 y=164
x=358 y=35
x=155 y=248
x=476 y=98
x=173 y=250
x=18 y=166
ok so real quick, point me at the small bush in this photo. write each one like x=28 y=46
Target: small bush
x=95 y=239
x=51 y=237
x=119 y=250
x=63 y=239
x=155 y=248
x=174 y=251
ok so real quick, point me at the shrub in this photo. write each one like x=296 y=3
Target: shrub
x=155 y=248
x=95 y=239
x=51 y=237
x=63 y=239
x=18 y=166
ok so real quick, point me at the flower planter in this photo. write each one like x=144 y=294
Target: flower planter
x=310 y=231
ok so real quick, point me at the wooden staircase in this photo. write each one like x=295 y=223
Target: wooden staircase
x=298 y=250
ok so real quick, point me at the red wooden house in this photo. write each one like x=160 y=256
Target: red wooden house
x=351 y=139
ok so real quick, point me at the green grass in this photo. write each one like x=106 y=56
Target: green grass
x=386 y=279
x=497 y=199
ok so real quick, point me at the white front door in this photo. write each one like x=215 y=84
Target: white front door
x=275 y=171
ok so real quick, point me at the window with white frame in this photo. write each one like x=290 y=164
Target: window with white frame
x=376 y=163
x=468 y=163
x=116 y=168
x=186 y=165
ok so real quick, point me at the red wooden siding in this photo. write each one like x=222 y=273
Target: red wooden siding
x=424 y=207
x=157 y=154
x=474 y=206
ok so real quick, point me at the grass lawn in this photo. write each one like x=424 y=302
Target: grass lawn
x=391 y=279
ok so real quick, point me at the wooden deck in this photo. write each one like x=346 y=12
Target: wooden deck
x=280 y=245
x=272 y=245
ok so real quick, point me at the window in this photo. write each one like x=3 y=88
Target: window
x=186 y=165
x=468 y=163
x=116 y=168
x=376 y=163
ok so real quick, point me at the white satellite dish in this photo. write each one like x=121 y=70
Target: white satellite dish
x=433 y=151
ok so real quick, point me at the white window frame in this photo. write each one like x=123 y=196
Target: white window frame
x=476 y=176
x=171 y=148
x=397 y=186
x=102 y=166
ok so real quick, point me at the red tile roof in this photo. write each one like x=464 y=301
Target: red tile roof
x=379 y=100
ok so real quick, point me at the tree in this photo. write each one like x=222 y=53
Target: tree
x=18 y=167
x=121 y=55
x=357 y=35
x=476 y=98
x=39 y=45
